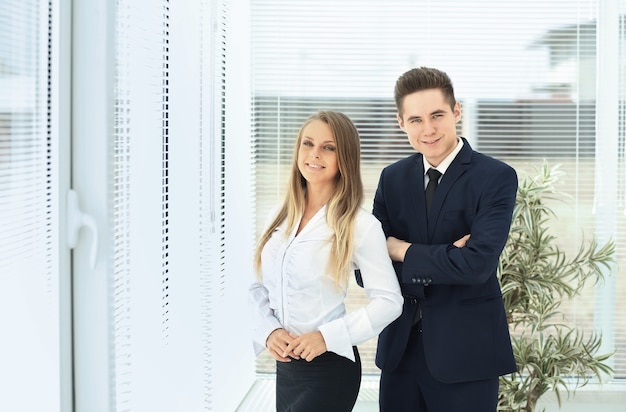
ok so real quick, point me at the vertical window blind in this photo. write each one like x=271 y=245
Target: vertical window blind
x=139 y=193
x=29 y=208
x=524 y=72
x=172 y=304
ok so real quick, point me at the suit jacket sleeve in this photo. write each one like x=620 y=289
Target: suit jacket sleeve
x=488 y=223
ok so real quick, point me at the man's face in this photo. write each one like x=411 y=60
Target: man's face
x=430 y=124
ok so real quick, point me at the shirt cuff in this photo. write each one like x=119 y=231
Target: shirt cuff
x=337 y=338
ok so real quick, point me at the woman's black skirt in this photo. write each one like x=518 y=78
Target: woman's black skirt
x=329 y=383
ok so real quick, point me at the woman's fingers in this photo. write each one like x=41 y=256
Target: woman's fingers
x=308 y=346
x=277 y=343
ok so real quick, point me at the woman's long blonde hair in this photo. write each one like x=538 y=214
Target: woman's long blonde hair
x=344 y=203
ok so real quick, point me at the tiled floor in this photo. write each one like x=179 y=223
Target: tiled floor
x=610 y=397
x=261 y=396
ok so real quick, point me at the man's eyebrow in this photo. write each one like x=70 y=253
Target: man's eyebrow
x=438 y=111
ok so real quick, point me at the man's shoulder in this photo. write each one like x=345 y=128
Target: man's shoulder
x=407 y=162
x=470 y=155
x=484 y=161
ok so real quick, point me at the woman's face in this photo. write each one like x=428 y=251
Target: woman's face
x=317 y=154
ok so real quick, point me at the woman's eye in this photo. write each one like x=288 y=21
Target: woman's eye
x=307 y=143
x=330 y=148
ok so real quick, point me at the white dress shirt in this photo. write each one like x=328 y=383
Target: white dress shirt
x=445 y=163
x=296 y=293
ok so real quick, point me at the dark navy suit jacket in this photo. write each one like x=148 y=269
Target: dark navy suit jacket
x=465 y=331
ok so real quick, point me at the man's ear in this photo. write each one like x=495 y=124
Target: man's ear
x=457 y=112
x=400 y=122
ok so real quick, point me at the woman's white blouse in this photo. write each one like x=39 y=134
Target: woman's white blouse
x=297 y=295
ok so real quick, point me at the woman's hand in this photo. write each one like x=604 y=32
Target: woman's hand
x=308 y=346
x=277 y=343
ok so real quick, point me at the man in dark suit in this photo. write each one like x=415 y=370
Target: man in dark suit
x=450 y=345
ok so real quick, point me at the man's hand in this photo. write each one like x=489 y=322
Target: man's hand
x=397 y=248
x=307 y=346
x=461 y=242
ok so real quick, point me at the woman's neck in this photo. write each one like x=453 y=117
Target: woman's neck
x=316 y=198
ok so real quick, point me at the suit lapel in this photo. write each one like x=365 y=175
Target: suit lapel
x=459 y=165
x=418 y=200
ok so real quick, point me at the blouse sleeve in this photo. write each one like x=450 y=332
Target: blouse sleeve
x=381 y=286
x=264 y=321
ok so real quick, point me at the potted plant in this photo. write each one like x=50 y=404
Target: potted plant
x=536 y=276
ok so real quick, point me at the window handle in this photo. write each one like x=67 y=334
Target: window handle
x=76 y=219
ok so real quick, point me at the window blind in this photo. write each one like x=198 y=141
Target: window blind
x=29 y=208
x=524 y=72
x=172 y=304
x=140 y=215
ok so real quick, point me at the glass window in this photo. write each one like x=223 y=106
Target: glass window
x=35 y=344
x=524 y=72
x=154 y=317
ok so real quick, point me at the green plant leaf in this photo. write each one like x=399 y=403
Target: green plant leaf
x=536 y=276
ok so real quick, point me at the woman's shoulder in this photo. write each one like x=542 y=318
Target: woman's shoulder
x=368 y=230
x=271 y=215
x=365 y=219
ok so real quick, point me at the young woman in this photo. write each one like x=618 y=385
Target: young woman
x=313 y=243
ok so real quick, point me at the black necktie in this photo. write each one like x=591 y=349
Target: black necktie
x=433 y=181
